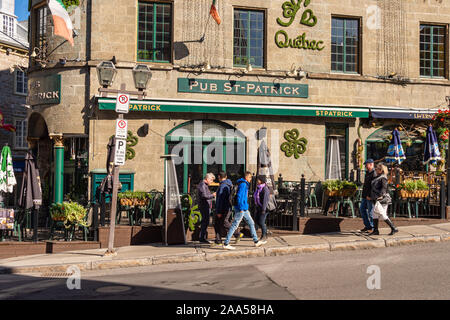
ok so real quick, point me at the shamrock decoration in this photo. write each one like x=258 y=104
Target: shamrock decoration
x=294 y=145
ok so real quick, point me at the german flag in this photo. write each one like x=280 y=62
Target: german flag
x=214 y=13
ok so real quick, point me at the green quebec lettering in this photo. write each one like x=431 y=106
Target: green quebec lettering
x=283 y=41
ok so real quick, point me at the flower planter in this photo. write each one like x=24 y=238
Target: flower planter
x=417 y=194
x=334 y=193
x=134 y=202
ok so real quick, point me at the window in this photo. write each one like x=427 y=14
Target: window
x=336 y=151
x=20 y=141
x=41 y=21
x=345 y=45
x=155 y=32
x=432 y=51
x=248 y=38
x=8 y=25
x=21 y=81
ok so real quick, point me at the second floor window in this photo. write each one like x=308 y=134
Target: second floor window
x=345 y=45
x=248 y=38
x=21 y=81
x=41 y=20
x=21 y=134
x=432 y=51
x=8 y=25
x=154 y=32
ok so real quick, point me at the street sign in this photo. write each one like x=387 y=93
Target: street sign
x=121 y=152
x=122 y=103
x=121 y=129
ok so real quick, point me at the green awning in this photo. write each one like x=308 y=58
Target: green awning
x=238 y=108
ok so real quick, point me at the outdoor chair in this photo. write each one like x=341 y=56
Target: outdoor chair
x=343 y=201
x=312 y=198
x=22 y=222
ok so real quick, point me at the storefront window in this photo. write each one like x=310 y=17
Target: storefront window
x=336 y=155
x=345 y=45
x=206 y=146
x=432 y=51
x=155 y=32
x=248 y=38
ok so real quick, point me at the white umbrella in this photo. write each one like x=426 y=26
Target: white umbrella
x=7 y=178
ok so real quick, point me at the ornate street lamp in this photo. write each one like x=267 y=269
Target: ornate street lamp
x=106 y=72
x=141 y=76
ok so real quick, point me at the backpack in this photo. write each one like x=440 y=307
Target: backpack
x=233 y=195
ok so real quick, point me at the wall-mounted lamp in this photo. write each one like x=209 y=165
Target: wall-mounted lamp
x=106 y=72
x=141 y=76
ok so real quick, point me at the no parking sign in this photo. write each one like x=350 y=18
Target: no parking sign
x=122 y=103
x=121 y=129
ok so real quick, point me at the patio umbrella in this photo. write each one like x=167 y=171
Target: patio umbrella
x=395 y=151
x=31 y=192
x=7 y=178
x=431 y=154
x=264 y=165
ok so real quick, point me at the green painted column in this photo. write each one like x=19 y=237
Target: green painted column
x=59 y=168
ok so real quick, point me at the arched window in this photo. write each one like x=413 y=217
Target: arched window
x=206 y=146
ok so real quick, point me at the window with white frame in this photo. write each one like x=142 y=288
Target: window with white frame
x=21 y=82
x=8 y=25
x=20 y=140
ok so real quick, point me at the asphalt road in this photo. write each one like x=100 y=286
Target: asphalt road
x=409 y=272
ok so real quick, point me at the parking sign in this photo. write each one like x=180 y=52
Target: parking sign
x=121 y=129
x=121 y=152
x=122 y=103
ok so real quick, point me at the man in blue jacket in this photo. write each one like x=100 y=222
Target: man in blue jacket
x=222 y=222
x=241 y=211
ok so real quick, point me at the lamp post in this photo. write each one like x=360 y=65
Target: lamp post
x=107 y=72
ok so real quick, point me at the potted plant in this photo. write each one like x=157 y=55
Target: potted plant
x=340 y=188
x=71 y=213
x=413 y=189
x=133 y=198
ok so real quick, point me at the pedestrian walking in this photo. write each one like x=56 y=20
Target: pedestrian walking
x=241 y=211
x=224 y=210
x=261 y=198
x=381 y=200
x=366 y=206
x=205 y=198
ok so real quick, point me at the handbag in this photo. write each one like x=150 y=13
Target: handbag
x=386 y=199
x=272 y=204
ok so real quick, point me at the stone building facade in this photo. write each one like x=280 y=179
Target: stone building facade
x=337 y=71
x=13 y=85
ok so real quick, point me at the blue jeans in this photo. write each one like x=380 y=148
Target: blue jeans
x=237 y=220
x=366 y=209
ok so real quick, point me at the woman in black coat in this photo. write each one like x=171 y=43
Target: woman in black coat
x=381 y=199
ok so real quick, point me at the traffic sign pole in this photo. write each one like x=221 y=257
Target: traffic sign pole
x=122 y=106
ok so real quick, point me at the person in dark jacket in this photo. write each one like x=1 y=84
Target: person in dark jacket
x=222 y=222
x=261 y=198
x=366 y=206
x=241 y=211
x=205 y=198
x=381 y=200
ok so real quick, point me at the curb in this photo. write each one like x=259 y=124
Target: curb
x=224 y=255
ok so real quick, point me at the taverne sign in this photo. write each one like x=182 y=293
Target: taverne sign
x=248 y=88
x=45 y=90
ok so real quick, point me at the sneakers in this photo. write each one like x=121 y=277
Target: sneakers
x=236 y=241
x=215 y=244
x=228 y=247
x=260 y=243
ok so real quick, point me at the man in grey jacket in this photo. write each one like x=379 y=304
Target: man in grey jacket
x=205 y=198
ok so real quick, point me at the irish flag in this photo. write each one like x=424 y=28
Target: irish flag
x=61 y=20
x=214 y=13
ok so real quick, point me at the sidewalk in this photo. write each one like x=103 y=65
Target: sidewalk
x=145 y=255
